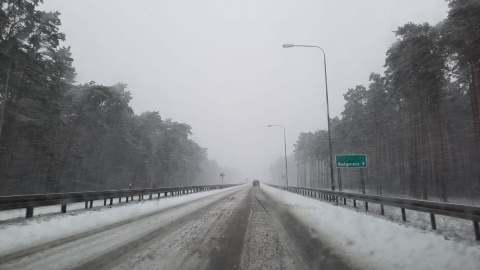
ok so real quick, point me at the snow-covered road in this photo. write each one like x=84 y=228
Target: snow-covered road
x=236 y=228
x=242 y=227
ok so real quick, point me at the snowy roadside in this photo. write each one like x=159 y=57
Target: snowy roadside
x=367 y=242
x=19 y=214
x=19 y=235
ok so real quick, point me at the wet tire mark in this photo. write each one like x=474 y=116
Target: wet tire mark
x=261 y=204
x=231 y=244
x=111 y=258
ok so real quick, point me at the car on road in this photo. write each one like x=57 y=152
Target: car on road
x=256 y=183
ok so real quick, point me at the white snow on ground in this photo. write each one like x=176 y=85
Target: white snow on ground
x=367 y=242
x=20 y=235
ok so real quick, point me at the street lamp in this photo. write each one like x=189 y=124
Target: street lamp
x=285 y=142
x=328 y=109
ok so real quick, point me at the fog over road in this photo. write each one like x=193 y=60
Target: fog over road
x=241 y=228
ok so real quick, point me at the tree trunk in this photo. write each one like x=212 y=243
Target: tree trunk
x=475 y=99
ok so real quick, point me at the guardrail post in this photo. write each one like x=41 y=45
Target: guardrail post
x=86 y=204
x=344 y=201
x=111 y=201
x=434 y=223
x=30 y=212
x=126 y=199
x=404 y=215
x=91 y=203
x=64 y=208
x=366 y=206
x=354 y=204
x=105 y=201
x=336 y=199
x=158 y=196
x=150 y=197
x=166 y=194
x=119 y=199
x=382 y=210
x=476 y=228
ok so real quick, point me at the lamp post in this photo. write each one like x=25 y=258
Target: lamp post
x=328 y=108
x=285 y=142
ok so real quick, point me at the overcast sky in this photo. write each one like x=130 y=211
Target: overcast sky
x=220 y=66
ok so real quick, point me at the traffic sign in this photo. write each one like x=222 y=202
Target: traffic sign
x=351 y=161
x=222 y=175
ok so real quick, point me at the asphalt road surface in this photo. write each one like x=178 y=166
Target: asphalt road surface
x=239 y=229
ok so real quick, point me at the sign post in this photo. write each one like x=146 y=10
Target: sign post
x=222 y=175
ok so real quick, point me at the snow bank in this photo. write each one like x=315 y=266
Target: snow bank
x=367 y=242
x=35 y=231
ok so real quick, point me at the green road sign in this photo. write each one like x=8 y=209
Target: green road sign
x=351 y=161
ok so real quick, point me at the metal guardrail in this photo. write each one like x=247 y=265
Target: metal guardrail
x=433 y=208
x=29 y=202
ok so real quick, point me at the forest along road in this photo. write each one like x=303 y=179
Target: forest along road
x=238 y=229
